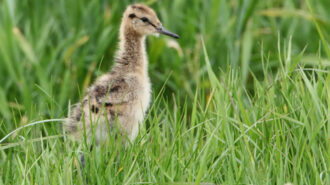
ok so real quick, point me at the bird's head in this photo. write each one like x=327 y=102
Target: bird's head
x=142 y=20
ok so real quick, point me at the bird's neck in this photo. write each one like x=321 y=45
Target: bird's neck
x=132 y=54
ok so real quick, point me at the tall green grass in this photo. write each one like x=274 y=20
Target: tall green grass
x=242 y=98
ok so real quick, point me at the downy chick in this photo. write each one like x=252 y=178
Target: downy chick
x=123 y=95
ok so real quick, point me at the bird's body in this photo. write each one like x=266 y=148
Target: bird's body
x=123 y=95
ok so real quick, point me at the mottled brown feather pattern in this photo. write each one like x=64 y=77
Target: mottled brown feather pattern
x=122 y=95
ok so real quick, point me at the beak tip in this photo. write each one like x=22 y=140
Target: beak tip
x=164 y=31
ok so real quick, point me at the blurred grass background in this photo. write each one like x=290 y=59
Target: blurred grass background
x=51 y=51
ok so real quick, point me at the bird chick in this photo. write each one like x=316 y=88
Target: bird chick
x=123 y=95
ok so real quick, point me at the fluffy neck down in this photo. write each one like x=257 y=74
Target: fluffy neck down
x=132 y=54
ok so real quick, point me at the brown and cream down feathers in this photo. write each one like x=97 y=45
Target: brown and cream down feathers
x=122 y=95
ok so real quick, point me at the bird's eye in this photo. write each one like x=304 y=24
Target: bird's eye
x=144 y=19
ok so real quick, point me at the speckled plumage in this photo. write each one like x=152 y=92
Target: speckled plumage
x=124 y=93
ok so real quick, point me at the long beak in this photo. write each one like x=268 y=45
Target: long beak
x=164 y=31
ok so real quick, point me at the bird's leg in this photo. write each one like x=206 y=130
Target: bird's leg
x=82 y=160
x=82 y=157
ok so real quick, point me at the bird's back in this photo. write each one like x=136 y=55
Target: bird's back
x=116 y=97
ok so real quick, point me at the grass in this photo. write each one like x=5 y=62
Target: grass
x=242 y=98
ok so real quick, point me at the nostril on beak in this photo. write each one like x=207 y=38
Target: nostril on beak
x=164 y=31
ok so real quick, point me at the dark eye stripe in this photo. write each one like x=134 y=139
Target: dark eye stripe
x=144 y=19
x=132 y=15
